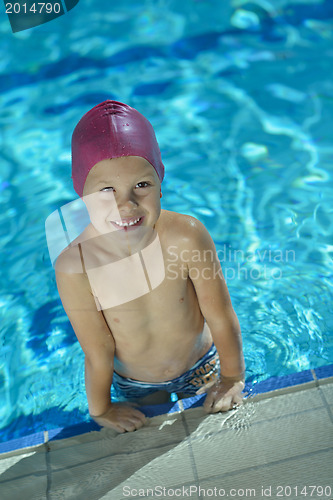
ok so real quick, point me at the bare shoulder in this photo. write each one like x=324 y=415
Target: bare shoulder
x=70 y=259
x=73 y=283
x=185 y=229
x=181 y=222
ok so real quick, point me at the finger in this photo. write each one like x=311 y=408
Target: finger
x=129 y=427
x=114 y=427
x=139 y=415
x=132 y=425
x=223 y=404
x=135 y=417
x=124 y=425
x=205 y=387
x=209 y=402
x=128 y=419
x=238 y=400
x=138 y=423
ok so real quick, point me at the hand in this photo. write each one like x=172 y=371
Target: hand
x=222 y=395
x=122 y=417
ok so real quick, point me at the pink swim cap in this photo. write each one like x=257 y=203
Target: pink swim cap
x=111 y=130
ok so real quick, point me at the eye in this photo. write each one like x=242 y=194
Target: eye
x=143 y=184
x=106 y=189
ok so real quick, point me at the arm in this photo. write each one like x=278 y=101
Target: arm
x=215 y=304
x=120 y=417
x=98 y=344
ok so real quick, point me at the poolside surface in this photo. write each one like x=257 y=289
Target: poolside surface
x=279 y=444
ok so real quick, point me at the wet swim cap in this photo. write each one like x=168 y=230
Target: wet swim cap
x=111 y=130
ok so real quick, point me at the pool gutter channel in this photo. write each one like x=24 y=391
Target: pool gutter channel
x=276 y=386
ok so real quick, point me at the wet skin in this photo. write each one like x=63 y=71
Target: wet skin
x=158 y=335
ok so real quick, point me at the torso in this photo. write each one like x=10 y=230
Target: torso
x=160 y=334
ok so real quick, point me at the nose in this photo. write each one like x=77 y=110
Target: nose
x=126 y=202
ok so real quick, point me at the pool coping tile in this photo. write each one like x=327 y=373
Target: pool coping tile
x=324 y=372
x=24 y=442
x=265 y=388
x=275 y=383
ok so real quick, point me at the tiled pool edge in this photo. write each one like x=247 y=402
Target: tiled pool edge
x=267 y=388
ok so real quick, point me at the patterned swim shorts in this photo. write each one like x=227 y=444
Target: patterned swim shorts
x=206 y=369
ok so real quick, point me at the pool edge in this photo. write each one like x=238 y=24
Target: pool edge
x=268 y=388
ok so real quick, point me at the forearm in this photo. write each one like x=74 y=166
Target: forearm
x=98 y=377
x=228 y=341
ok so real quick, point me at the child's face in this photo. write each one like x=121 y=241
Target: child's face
x=122 y=194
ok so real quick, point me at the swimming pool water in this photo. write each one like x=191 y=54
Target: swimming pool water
x=241 y=97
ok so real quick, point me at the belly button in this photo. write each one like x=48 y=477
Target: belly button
x=171 y=370
x=181 y=299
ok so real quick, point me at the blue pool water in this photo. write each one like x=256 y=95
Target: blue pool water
x=241 y=97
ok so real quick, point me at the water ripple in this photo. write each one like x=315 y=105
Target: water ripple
x=242 y=103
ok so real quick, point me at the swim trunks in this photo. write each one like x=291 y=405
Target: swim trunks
x=206 y=369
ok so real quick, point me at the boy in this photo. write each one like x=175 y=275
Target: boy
x=143 y=287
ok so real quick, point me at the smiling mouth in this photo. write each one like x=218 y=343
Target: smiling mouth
x=128 y=223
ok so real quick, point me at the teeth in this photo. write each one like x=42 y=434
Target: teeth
x=126 y=224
